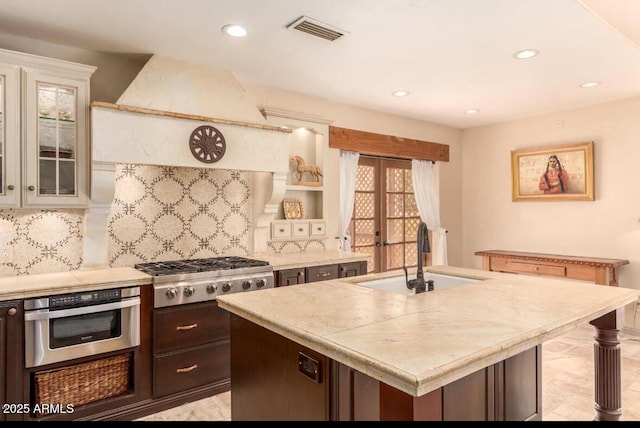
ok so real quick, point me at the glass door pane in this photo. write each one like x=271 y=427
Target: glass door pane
x=57 y=141
x=400 y=216
x=385 y=217
x=364 y=228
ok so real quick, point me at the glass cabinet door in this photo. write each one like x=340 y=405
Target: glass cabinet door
x=9 y=137
x=57 y=142
x=56 y=152
x=44 y=137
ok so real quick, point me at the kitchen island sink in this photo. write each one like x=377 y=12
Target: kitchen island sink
x=398 y=284
x=412 y=352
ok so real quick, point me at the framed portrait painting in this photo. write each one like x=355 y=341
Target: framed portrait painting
x=553 y=173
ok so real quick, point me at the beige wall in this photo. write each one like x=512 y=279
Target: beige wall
x=114 y=72
x=606 y=227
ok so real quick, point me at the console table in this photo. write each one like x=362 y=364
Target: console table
x=598 y=270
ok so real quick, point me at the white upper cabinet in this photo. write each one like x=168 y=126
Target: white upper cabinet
x=45 y=132
x=9 y=136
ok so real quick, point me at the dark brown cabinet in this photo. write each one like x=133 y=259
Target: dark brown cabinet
x=352 y=269
x=287 y=277
x=322 y=273
x=190 y=348
x=318 y=273
x=275 y=378
x=506 y=391
x=11 y=359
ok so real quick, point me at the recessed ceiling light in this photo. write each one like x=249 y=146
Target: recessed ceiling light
x=589 y=84
x=526 y=53
x=235 y=30
x=400 y=93
x=471 y=111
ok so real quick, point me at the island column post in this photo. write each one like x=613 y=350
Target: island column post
x=607 y=366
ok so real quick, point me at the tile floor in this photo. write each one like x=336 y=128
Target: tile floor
x=567 y=383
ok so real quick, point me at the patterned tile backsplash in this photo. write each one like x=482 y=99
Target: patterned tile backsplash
x=158 y=213
x=169 y=213
x=43 y=241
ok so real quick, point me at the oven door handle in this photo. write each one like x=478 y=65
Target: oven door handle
x=45 y=314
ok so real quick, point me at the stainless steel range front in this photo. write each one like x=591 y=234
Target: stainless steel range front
x=197 y=280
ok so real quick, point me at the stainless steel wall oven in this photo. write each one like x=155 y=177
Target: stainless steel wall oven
x=67 y=326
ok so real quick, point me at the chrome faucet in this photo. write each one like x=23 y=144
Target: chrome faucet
x=418 y=284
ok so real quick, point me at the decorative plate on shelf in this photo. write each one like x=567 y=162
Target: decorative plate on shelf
x=292 y=209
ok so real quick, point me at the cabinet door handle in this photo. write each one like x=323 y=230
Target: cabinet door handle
x=32 y=188
x=11 y=187
x=12 y=311
x=300 y=229
x=187 y=369
x=281 y=230
x=186 y=327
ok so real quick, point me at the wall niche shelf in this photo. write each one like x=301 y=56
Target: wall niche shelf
x=294 y=187
x=308 y=140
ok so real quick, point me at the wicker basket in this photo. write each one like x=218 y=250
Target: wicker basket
x=83 y=383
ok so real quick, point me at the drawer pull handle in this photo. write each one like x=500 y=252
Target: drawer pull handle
x=187 y=369
x=535 y=268
x=281 y=230
x=300 y=229
x=186 y=327
x=323 y=274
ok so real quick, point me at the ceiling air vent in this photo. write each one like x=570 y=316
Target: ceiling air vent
x=316 y=28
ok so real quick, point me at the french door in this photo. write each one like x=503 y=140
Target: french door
x=385 y=218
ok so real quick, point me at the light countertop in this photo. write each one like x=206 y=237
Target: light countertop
x=315 y=258
x=421 y=342
x=38 y=285
x=28 y=286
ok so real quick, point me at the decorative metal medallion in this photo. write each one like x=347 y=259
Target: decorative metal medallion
x=207 y=144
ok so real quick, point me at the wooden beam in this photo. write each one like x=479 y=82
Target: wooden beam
x=144 y=110
x=386 y=145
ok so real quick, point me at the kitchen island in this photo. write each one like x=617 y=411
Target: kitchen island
x=413 y=346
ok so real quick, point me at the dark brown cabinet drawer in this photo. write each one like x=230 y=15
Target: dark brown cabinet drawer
x=352 y=269
x=289 y=277
x=198 y=366
x=322 y=273
x=295 y=276
x=180 y=327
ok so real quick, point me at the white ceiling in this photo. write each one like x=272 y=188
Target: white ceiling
x=450 y=55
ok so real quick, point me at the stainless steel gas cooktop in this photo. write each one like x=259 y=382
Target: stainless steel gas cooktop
x=179 y=282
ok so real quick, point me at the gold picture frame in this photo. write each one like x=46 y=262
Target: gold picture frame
x=293 y=209
x=553 y=173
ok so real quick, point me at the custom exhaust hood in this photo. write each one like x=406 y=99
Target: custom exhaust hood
x=168 y=107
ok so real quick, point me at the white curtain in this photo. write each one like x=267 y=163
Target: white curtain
x=348 y=175
x=424 y=189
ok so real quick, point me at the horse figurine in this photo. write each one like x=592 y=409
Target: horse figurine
x=302 y=168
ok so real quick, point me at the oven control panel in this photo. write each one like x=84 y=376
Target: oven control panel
x=88 y=298
x=82 y=298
